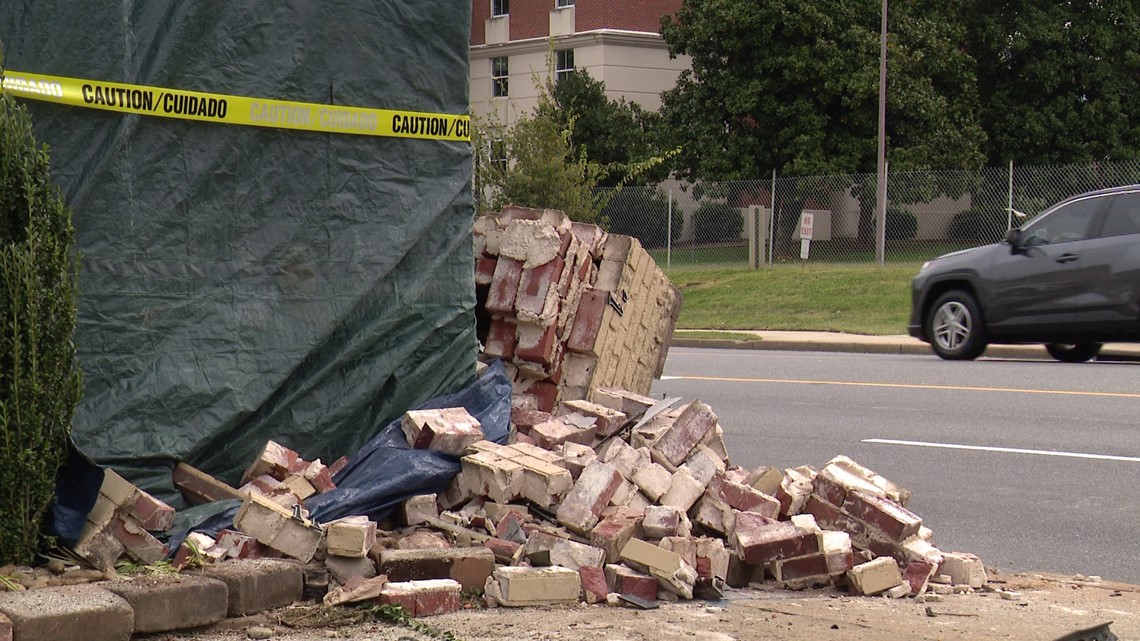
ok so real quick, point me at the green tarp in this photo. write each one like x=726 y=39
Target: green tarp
x=241 y=284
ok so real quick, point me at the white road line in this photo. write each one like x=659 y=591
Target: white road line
x=1007 y=450
x=671 y=378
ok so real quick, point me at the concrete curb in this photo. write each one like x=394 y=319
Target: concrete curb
x=117 y=610
x=883 y=345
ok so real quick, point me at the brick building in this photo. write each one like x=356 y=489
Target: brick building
x=616 y=41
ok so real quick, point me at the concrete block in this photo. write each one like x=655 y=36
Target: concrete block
x=172 y=602
x=256 y=585
x=670 y=570
x=523 y=586
x=448 y=430
x=423 y=598
x=345 y=569
x=101 y=550
x=85 y=612
x=963 y=569
x=874 y=577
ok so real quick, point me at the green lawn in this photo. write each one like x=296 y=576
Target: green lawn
x=860 y=299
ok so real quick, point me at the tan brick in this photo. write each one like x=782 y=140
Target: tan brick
x=523 y=586
x=874 y=577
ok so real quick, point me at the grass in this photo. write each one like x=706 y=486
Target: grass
x=859 y=299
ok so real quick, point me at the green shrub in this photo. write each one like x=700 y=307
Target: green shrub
x=644 y=214
x=981 y=226
x=40 y=381
x=901 y=225
x=715 y=222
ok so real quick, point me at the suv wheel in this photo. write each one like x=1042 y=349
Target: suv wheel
x=1073 y=352
x=955 y=327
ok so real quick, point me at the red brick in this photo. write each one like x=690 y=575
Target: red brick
x=140 y=545
x=626 y=581
x=485 y=270
x=319 y=476
x=545 y=395
x=917 y=574
x=800 y=567
x=501 y=339
x=826 y=515
x=760 y=539
x=423 y=598
x=828 y=490
x=553 y=433
x=523 y=419
x=883 y=515
x=743 y=497
x=594 y=586
x=338 y=465
x=690 y=428
x=534 y=288
x=537 y=344
x=197 y=487
x=153 y=514
x=613 y=532
x=504 y=286
x=240 y=545
x=504 y=550
x=588 y=322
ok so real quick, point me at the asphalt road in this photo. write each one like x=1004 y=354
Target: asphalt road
x=1032 y=465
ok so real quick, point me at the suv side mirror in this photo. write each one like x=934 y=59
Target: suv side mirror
x=1013 y=237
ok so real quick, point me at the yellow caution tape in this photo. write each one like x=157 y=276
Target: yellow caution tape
x=236 y=110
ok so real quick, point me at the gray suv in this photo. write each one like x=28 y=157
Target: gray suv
x=1069 y=278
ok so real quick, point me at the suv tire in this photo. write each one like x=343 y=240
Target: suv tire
x=955 y=327
x=1073 y=352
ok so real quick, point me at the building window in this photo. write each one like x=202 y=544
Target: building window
x=564 y=63
x=499 y=154
x=500 y=77
x=562 y=4
x=500 y=8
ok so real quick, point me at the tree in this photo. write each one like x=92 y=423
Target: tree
x=616 y=134
x=40 y=381
x=1061 y=79
x=793 y=86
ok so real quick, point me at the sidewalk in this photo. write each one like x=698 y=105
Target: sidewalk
x=858 y=343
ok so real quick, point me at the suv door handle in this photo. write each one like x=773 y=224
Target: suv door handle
x=1067 y=258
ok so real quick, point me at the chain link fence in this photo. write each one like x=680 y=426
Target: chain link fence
x=929 y=213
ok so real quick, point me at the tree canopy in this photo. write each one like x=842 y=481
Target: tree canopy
x=1060 y=80
x=793 y=86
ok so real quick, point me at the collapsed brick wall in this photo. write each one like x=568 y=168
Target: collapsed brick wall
x=568 y=307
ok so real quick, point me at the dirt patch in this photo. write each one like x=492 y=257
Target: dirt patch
x=1044 y=607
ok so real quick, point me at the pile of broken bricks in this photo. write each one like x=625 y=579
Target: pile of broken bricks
x=630 y=501
x=601 y=494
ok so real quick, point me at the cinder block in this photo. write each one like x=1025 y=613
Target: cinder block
x=85 y=612
x=423 y=598
x=172 y=602
x=256 y=585
x=874 y=577
x=448 y=430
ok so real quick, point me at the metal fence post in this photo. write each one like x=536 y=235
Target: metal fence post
x=669 y=234
x=1009 y=206
x=772 y=218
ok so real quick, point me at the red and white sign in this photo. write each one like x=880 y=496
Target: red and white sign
x=807 y=222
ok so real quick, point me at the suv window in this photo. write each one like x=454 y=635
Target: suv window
x=1123 y=215
x=1067 y=223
